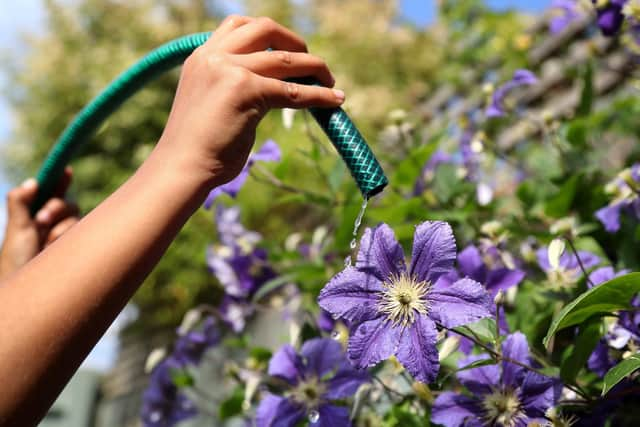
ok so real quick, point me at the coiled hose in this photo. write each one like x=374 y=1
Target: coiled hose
x=334 y=121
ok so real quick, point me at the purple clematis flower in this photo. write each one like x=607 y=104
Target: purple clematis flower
x=564 y=12
x=520 y=78
x=162 y=403
x=191 y=346
x=625 y=188
x=485 y=268
x=622 y=336
x=501 y=395
x=316 y=378
x=610 y=16
x=269 y=152
x=392 y=310
x=568 y=270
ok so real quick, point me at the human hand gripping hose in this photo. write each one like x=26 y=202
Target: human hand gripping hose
x=344 y=135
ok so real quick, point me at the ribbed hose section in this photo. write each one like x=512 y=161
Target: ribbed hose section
x=363 y=165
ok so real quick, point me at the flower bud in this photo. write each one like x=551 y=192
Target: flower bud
x=499 y=298
x=564 y=226
x=154 y=358
x=491 y=228
x=555 y=251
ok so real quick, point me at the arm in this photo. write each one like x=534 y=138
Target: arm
x=54 y=309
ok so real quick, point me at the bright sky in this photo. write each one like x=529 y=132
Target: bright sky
x=17 y=17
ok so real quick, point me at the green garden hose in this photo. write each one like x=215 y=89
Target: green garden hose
x=334 y=121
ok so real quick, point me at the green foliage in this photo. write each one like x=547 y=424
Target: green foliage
x=601 y=300
x=620 y=372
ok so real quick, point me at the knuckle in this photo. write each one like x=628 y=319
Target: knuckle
x=283 y=56
x=13 y=195
x=266 y=23
x=231 y=18
x=292 y=91
x=239 y=76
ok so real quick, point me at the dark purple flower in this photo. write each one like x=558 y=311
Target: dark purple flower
x=520 y=78
x=325 y=321
x=604 y=274
x=564 y=12
x=162 y=403
x=392 y=310
x=317 y=377
x=501 y=395
x=610 y=16
x=269 y=152
x=568 y=270
x=486 y=268
x=191 y=346
x=625 y=188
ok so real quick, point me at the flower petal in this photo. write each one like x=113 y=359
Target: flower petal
x=286 y=364
x=346 y=382
x=417 y=350
x=609 y=216
x=538 y=393
x=268 y=152
x=276 y=411
x=373 y=341
x=470 y=263
x=332 y=416
x=380 y=253
x=480 y=380
x=322 y=355
x=352 y=295
x=434 y=251
x=601 y=275
x=502 y=279
x=465 y=301
x=452 y=409
x=514 y=347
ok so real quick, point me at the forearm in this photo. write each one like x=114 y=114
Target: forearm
x=58 y=306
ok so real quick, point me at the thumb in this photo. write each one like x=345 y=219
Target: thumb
x=18 y=201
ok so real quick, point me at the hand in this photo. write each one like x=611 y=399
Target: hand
x=25 y=236
x=229 y=84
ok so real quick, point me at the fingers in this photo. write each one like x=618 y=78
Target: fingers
x=64 y=183
x=18 y=201
x=281 y=94
x=229 y=24
x=54 y=211
x=60 y=228
x=282 y=64
x=262 y=34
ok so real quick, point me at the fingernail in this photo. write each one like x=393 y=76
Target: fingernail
x=43 y=216
x=29 y=183
x=339 y=94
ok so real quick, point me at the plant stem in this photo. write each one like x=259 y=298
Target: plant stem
x=584 y=270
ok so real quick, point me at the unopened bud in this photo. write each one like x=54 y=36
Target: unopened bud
x=449 y=346
x=564 y=226
x=189 y=321
x=156 y=356
x=555 y=251
x=499 y=298
x=491 y=228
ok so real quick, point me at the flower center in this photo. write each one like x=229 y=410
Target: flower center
x=502 y=408
x=402 y=298
x=309 y=392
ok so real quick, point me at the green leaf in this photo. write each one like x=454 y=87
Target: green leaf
x=261 y=354
x=601 y=300
x=272 y=285
x=584 y=344
x=559 y=205
x=231 y=406
x=484 y=330
x=182 y=378
x=586 y=97
x=402 y=416
x=619 y=372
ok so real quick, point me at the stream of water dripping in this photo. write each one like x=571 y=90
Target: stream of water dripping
x=356 y=227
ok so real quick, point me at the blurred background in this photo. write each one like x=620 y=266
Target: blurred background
x=57 y=54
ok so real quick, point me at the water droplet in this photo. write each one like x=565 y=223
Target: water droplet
x=335 y=335
x=347 y=261
x=335 y=316
x=314 y=416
